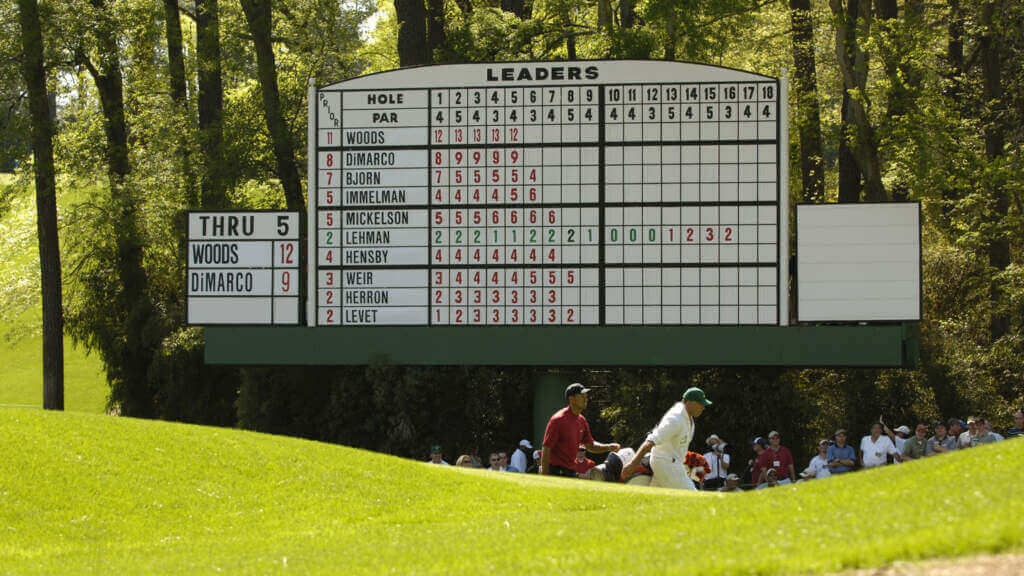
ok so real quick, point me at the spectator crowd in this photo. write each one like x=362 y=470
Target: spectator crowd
x=772 y=463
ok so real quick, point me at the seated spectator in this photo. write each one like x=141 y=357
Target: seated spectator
x=465 y=461
x=732 y=484
x=818 y=468
x=495 y=462
x=519 y=459
x=778 y=458
x=898 y=436
x=771 y=479
x=841 y=457
x=535 y=466
x=978 y=434
x=915 y=446
x=988 y=427
x=958 y=430
x=1018 y=425
x=940 y=442
x=876 y=448
x=582 y=464
x=503 y=456
x=759 y=445
x=718 y=463
x=435 y=455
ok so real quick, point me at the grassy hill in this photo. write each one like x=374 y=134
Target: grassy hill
x=86 y=493
x=21 y=368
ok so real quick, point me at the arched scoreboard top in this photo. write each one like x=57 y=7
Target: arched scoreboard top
x=593 y=72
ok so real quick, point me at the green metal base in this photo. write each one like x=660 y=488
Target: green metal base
x=881 y=345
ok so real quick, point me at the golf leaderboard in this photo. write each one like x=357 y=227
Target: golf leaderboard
x=583 y=193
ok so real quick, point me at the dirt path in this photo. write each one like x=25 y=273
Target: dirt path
x=998 y=565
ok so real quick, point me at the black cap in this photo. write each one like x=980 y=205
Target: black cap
x=574 y=389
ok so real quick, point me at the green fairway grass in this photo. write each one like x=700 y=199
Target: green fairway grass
x=84 y=493
x=21 y=343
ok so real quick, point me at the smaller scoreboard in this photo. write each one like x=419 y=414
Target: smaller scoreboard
x=243 y=268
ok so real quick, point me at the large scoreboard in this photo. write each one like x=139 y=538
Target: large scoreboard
x=598 y=193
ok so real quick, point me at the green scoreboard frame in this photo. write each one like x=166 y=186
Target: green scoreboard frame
x=763 y=337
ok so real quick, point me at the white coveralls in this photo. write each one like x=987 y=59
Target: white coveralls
x=671 y=438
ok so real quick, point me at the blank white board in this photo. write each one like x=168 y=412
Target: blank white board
x=858 y=262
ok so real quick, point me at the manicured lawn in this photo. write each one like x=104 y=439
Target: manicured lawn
x=21 y=368
x=86 y=493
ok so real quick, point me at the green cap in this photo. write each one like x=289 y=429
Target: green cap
x=696 y=395
x=435 y=449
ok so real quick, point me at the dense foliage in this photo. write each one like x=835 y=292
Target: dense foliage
x=891 y=101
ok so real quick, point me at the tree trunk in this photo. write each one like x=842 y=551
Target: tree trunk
x=211 y=105
x=888 y=14
x=46 y=205
x=853 y=64
x=805 y=84
x=849 y=172
x=179 y=96
x=435 y=31
x=955 y=50
x=995 y=139
x=128 y=364
x=466 y=6
x=517 y=7
x=627 y=13
x=604 y=16
x=175 y=55
x=412 y=33
x=671 y=36
x=258 y=14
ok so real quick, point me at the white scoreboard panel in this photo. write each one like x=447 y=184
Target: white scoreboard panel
x=581 y=193
x=858 y=262
x=243 y=268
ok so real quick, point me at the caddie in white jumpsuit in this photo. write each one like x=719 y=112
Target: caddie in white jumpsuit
x=669 y=441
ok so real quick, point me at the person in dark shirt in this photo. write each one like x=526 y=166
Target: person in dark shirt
x=566 y=430
x=759 y=445
x=1018 y=426
x=841 y=456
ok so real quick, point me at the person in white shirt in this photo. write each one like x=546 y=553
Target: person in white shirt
x=519 y=461
x=668 y=442
x=818 y=468
x=875 y=448
x=718 y=463
x=988 y=428
x=964 y=438
x=900 y=437
x=436 y=456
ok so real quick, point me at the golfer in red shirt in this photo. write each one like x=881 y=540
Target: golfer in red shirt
x=566 y=430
